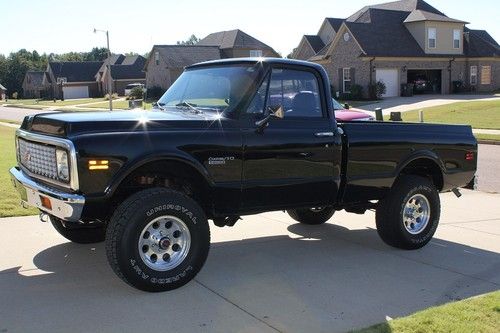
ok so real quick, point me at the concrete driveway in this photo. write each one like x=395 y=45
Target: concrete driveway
x=403 y=104
x=266 y=274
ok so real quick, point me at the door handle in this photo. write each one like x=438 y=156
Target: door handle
x=323 y=134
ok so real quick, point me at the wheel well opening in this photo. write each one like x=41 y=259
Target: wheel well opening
x=176 y=175
x=426 y=168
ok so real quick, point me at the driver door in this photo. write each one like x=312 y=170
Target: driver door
x=294 y=161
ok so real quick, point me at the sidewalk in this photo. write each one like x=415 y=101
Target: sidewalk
x=404 y=104
x=266 y=274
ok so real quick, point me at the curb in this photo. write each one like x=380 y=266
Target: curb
x=489 y=142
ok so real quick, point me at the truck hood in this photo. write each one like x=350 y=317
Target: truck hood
x=67 y=124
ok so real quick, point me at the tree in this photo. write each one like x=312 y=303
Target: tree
x=97 y=54
x=190 y=41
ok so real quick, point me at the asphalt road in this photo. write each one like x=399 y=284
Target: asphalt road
x=17 y=114
x=265 y=274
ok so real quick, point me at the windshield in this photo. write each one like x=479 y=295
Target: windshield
x=337 y=105
x=211 y=88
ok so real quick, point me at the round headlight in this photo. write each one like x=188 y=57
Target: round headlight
x=62 y=165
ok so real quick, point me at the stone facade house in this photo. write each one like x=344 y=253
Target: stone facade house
x=33 y=84
x=72 y=79
x=410 y=41
x=310 y=45
x=124 y=70
x=167 y=62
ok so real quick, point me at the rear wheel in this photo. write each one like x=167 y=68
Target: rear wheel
x=81 y=235
x=408 y=217
x=157 y=240
x=312 y=216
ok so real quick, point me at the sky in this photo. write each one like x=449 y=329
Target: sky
x=135 y=26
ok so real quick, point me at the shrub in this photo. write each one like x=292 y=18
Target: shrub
x=376 y=90
x=113 y=96
x=136 y=93
x=155 y=92
x=15 y=95
x=356 y=92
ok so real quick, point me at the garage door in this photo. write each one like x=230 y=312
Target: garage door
x=76 y=92
x=390 y=78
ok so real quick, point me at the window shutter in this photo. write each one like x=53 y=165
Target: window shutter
x=353 y=77
x=341 y=81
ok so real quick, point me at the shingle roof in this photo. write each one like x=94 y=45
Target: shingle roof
x=179 y=56
x=335 y=22
x=402 y=5
x=36 y=77
x=232 y=39
x=115 y=59
x=76 y=71
x=480 y=44
x=130 y=68
x=3 y=88
x=315 y=42
x=420 y=15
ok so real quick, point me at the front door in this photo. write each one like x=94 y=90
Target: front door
x=293 y=161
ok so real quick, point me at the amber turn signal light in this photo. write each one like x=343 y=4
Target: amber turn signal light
x=45 y=202
x=98 y=165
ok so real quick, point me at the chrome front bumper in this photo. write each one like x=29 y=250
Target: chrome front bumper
x=65 y=206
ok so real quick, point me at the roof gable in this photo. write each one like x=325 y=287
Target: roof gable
x=315 y=42
x=179 y=56
x=335 y=22
x=402 y=6
x=232 y=39
x=75 y=71
x=36 y=77
x=420 y=15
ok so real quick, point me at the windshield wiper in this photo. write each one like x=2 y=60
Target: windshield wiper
x=189 y=105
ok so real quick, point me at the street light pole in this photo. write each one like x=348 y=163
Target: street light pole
x=110 y=82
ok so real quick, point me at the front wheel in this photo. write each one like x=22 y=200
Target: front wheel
x=408 y=217
x=157 y=240
x=311 y=216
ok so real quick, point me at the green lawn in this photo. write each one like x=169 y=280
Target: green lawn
x=487 y=137
x=485 y=114
x=116 y=105
x=9 y=198
x=478 y=314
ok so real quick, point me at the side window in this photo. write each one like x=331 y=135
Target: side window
x=296 y=91
x=259 y=100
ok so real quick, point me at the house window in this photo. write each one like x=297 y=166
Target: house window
x=485 y=74
x=456 y=38
x=473 y=75
x=255 y=53
x=346 y=79
x=157 y=58
x=431 y=36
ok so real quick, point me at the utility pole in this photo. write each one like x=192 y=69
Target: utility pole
x=110 y=82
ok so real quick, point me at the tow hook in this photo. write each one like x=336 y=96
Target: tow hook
x=43 y=217
x=228 y=221
x=456 y=192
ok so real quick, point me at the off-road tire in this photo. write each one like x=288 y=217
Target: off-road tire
x=311 y=217
x=390 y=213
x=83 y=235
x=129 y=220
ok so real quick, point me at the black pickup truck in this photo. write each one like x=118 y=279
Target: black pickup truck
x=231 y=138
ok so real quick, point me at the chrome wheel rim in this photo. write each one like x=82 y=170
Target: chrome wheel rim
x=316 y=209
x=417 y=213
x=164 y=243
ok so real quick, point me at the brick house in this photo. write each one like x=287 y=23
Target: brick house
x=72 y=79
x=124 y=70
x=166 y=62
x=409 y=41
x=33 y=84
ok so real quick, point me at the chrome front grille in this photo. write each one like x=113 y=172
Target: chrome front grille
x=38 y=158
